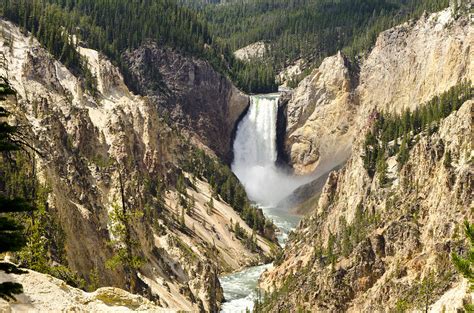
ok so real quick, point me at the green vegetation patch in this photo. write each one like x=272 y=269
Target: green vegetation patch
x=388 y=129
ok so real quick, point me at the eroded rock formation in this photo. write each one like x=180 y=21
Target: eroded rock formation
x=369 y=246
x=190 y=92
x=114 y=151
x=408 y=65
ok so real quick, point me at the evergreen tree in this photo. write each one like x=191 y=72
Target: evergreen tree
x=425 y=292
x=126 y=254
x=332 y=257
x=382 y=167
x=210 y=206
x=11 y=231
x=403 y=155
x=465 y=264
x=192 y=204
x=238 y=230
x=447 y=159
x=371 y=153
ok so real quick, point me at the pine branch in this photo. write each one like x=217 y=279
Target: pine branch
x=9 y=289
x=10 y=268
x=15 y=205
x=11 y=241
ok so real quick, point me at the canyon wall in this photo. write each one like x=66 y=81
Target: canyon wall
x=110 y=152
x=190 y=92
x=408 y=65
x=368 y=246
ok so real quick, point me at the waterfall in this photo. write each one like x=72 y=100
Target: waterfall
x=255 y=154
x=255 y=142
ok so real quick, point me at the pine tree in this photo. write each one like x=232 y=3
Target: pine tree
x=332 y=258
x=381 y=167
x=122 y=218
x=192 y=204
x=210 y=206
x=11 y=231
x=403 y=154
x=465 y=264
x=371 y=152
x=239 y=232
x=425 y=292
x=182 y=219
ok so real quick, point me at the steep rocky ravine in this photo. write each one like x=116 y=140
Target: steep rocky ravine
x=405 y=229
x=113 y=151
x=190 y=92
x=408 y=65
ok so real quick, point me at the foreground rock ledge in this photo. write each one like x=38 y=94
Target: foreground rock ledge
x=44 y=293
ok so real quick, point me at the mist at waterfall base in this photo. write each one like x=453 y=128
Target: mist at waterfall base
x=255 y=154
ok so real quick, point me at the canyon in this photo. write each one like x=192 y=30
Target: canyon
x=88 y=143
x=408 y=65
x=412 y=222
x=143 y=140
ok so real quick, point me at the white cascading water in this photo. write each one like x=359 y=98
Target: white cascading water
x=255 y=143
x=255 y=154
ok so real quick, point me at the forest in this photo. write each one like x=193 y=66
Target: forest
x=388 y=129
x=107 y=27
x=310 y=29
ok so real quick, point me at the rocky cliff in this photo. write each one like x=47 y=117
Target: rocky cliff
x=370 y=246
x=408 y=65
x=43 y=293
x=373 y=247
x=256 y=50
x=190 y=92
x=110 y=161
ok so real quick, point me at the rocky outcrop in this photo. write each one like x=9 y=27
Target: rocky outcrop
x=256 y=50
x=320 y=114
x=409 y=65
x=373 y=247
x=43 y=293
x=103 y=154
x=291 y=72
x=189 y=91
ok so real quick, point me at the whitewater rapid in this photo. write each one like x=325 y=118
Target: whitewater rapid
x=240 y=289
x=255 y=156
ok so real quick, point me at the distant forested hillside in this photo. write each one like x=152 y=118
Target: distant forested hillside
x=310 y=29
x=212 y=29
x=114 y=26
x=109 y=26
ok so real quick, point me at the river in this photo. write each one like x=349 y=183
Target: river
x=255 y=154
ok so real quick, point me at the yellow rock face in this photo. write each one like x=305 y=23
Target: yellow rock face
x=408 y=65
